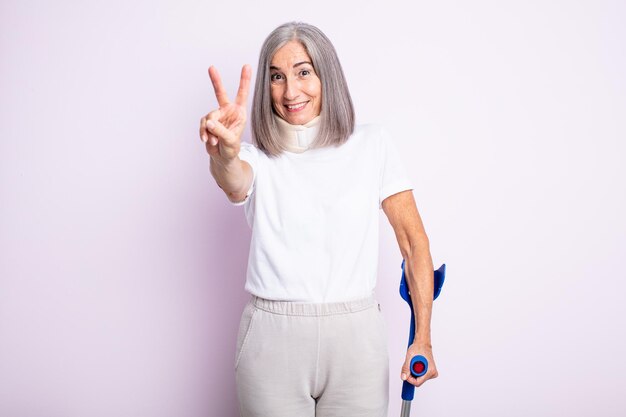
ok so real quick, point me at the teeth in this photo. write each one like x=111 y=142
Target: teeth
x=296 y=106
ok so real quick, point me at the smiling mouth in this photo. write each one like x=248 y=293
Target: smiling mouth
x=295 y=107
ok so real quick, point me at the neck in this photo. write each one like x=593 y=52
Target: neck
x=297 y=138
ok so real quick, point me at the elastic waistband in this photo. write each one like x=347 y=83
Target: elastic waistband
x=292 y=308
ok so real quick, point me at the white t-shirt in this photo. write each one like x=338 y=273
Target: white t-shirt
x=314 y=217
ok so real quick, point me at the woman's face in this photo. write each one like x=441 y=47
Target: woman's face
x=296 y=89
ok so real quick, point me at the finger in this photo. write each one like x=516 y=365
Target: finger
x=406 y=366
x=215 y=115
x=218 y=130
x=212 y=141
x=212 y=145
x=244 y=85
x=406 y=372
x=216 y=80
x=414 y=381
x=419 y=381
x=204 y=133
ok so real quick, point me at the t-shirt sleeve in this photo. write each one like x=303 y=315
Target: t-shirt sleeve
x=393 y=174
x=249 y=153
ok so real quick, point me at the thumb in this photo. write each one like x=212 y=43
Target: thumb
x=406 y=369
x=218 y=129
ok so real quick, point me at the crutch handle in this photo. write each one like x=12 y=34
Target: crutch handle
x=419 y=366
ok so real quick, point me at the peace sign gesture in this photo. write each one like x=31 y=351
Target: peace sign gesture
x=221 y=129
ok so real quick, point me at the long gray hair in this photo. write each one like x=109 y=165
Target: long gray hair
x=337 y=114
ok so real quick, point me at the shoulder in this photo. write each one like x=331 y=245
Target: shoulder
x=250 y=153
x=374 y=134
x=368 y=129
x=252 y=150
x=368 y=133
x=249 y=147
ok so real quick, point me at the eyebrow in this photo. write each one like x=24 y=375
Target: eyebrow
x=273 y=67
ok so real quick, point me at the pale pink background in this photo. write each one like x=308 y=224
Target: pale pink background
x=122 y=265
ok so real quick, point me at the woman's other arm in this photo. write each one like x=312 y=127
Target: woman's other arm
x=402 y=213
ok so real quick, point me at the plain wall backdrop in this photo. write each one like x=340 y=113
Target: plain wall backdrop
x=122 y=264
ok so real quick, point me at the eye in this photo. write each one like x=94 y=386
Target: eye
x=276 y=77
x=305 y=72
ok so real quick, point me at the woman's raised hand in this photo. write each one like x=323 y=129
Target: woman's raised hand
x=221 y=129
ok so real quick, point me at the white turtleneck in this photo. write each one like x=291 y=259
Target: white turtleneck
x=297 y=138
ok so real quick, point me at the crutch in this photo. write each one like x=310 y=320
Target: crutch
x=419 y=364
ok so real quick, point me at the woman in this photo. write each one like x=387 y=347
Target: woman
x=312 y=339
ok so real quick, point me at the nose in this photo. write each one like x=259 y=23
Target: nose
x=292 y=90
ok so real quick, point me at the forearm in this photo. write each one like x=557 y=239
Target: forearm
x=232 y=176
x=419 y=274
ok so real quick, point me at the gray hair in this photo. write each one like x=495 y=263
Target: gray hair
x=337 y=114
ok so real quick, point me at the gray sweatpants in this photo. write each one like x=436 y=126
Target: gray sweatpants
x=312 y=359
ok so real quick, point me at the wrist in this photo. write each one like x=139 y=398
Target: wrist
x=423 y=345
x=225 y=164
x=422 y=340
